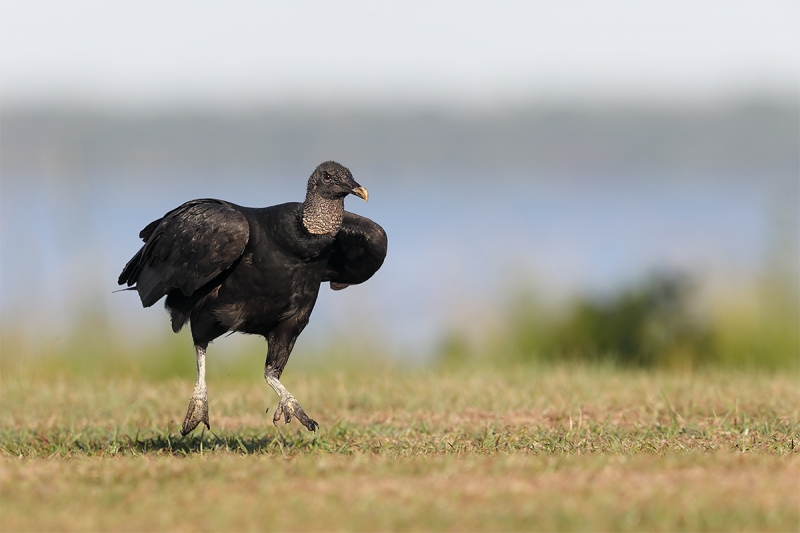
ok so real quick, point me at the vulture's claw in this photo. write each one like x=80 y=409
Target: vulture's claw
x=288 y=408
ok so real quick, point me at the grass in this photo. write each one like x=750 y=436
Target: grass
x=530 y=448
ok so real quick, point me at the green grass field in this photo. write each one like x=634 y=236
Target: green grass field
x=553 y=448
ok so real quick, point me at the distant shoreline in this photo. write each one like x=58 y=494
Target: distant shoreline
x=402 y=141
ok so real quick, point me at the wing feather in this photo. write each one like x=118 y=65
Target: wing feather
x=186 y=249
x=358 y=252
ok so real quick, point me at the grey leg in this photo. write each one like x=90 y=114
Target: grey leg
x=198 y=404
x=280 y=343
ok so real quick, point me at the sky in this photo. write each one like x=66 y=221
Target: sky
x=164 y=55
x=124 y=54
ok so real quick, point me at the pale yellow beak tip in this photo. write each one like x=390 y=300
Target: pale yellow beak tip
x=361 y=192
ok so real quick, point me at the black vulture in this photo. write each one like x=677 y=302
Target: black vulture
x=226 y=268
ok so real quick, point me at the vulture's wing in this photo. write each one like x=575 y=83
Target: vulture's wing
x=186 y=249
x=358 y=252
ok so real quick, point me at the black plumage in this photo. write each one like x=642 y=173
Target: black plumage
x=226 y=268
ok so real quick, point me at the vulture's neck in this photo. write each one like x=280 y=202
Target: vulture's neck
x=321 y=215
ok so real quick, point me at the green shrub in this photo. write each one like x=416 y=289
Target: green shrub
x=646 y=325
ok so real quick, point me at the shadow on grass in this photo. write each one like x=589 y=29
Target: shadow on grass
x=94 y=442
x=208 y=441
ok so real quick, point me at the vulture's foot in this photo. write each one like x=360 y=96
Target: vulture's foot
x=288 y=408
x=196 y=413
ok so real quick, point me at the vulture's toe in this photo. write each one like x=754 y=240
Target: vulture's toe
x=288 y=408
x=196 y=413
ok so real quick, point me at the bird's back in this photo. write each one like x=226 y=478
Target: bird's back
x=278 y=275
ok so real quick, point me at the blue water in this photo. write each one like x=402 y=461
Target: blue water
x=457 y=246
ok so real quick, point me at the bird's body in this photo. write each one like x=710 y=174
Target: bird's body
x=226 y=268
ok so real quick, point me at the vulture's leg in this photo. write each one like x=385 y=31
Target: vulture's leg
x=280 y=344
x=198 y=403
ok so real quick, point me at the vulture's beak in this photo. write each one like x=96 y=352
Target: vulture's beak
x=361 y=192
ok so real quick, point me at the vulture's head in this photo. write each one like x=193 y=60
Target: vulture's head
x=332 y=181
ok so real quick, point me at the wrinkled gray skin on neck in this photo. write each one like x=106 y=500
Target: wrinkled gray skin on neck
x=322 y=215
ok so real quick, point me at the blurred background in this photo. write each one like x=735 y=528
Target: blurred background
x=559 y=180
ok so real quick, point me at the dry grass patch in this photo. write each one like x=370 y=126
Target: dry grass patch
x=568 y=448
x=719 y=491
